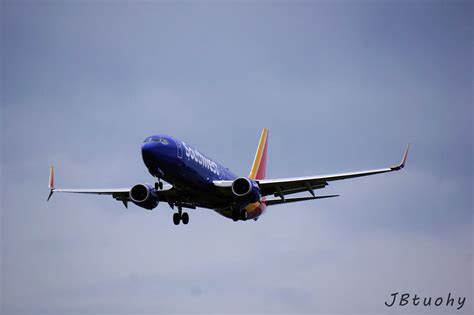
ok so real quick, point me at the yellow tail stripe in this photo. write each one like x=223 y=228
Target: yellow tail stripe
x=258 y=154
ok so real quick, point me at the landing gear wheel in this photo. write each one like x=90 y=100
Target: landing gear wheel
x=185 y=218
x=243 y=215
x=235 y=215
x=176 y=218
x=159 y=185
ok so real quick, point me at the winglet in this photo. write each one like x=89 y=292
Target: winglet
x=51 y=182
x=404 y=159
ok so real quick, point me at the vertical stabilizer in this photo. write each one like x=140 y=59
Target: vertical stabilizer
x=259 y=165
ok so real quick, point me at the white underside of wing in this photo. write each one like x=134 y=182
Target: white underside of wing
x=223 y=183
x=322 y=178
x=99 y=191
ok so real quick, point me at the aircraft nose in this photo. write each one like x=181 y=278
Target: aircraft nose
x=147 y=145
x=148 y=148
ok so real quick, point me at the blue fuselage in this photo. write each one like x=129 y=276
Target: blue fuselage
x=187 y=169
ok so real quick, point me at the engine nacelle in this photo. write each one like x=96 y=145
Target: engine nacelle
x=144 y=196
x=246 y=190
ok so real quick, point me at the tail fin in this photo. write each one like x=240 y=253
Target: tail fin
x=259 y=165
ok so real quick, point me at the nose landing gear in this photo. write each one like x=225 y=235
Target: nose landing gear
x=159 y=175
x=159 y=185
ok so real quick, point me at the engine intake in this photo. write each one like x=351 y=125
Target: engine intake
x=245 y=190
x=144 y=196
x=241 y=186
x=139 y=193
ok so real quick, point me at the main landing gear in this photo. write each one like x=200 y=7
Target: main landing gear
x=239 y=214
x=180 y=216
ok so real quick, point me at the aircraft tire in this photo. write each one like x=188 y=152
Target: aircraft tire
x=176 y=218
x=185 y=218
x=235 y=215
x=243 y=215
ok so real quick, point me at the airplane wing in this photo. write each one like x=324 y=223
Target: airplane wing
x=168 y=193
x=285 y=186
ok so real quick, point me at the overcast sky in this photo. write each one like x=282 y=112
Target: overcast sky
x=342 y=86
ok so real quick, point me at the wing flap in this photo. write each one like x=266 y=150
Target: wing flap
x=275 y=186
x=273 y=202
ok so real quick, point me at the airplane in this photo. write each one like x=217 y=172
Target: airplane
x=195 y=180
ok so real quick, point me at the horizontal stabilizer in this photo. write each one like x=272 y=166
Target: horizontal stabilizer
x=278 y=201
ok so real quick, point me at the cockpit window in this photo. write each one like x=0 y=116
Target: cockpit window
x=161 y=140
x=157 y=139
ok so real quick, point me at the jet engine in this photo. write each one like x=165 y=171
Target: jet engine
x=246 y=190
x=144 y=196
